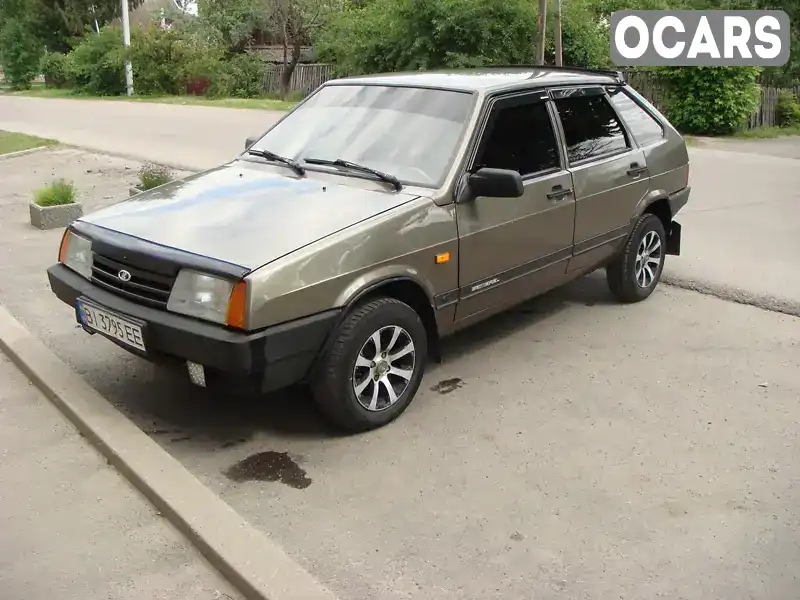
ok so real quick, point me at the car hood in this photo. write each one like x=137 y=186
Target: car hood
x=242 y=214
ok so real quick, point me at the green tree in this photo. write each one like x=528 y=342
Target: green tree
x=295 y=22
x=232 y=22
x=390 y=35
x=20 y=52
x=60 y=24
x=788 y=74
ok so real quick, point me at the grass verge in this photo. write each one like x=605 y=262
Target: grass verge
x=768 y=133
x=39 y=91
x=16 y=142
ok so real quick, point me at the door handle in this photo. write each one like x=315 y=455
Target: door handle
x=559 y=192
x=636 y=170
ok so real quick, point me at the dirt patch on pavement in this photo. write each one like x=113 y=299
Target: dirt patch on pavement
x=26 y=252
x=100 y=179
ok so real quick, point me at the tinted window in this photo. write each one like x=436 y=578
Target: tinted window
x=645 y=128
x=411 y=133
x=591 y=127
x=520 y=138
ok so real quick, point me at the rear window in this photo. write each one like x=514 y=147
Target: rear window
x=644 y=127
x=591 y=127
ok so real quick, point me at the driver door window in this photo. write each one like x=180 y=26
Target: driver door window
x=521 y=138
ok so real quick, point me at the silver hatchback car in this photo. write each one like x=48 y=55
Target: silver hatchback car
x=380 y=215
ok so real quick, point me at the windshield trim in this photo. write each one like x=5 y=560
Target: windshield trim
x=447 y=172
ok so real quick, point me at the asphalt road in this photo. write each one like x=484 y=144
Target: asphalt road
x=571 y=448
x=193 y=137
x=741 y=230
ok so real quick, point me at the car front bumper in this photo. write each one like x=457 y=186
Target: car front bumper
x=264 y=360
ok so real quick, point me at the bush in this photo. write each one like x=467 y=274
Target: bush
x=165 y=62
x=152 y=175
x=55 y=70
x=97 y=64
x=432 y=34
x=709 y=100
x=246 y=73
x=158 y=56
x=207 y=76
x=788 y=111
x=20 y=53
x=57 y=193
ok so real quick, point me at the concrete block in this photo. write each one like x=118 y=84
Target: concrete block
x=53 y=217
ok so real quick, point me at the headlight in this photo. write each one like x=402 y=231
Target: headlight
x=206 y=297
x=76 y=253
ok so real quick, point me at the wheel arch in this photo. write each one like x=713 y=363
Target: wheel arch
x=401 y=286
x=656 y=203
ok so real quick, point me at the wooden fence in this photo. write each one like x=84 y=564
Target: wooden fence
x=307 y=77
x=766 y=114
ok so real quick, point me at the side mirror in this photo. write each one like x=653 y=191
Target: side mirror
x=251 y=140
x=495 y=183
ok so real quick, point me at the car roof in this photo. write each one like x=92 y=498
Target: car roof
x=485 y=79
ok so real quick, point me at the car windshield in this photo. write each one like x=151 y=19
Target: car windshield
x=410 y=133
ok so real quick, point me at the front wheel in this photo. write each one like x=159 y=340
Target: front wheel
x=374 y=367
x=634 y=274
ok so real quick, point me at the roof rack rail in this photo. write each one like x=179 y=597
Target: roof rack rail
x=619 y=75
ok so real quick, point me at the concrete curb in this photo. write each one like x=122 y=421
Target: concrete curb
x=137 y=157
x=128 y=156
x=10 y=155
x=256 y=566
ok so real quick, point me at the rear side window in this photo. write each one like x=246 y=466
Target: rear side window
x=591 y=127
x=520 y=138
x=644 y=127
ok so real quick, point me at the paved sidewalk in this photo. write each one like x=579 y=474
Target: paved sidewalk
x=72 y=527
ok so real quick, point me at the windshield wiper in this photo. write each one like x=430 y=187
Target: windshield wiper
x=292 y=164
x=356 y=167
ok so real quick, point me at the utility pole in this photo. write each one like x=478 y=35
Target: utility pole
x=542 y=32
x=126 y=37
x=96 y=26
x=557 y=27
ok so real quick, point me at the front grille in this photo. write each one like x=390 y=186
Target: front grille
x=144 y=287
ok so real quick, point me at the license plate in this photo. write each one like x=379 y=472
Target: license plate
x=112 y=325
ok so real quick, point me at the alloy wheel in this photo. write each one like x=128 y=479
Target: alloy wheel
x=648 y=259
x=384 y=368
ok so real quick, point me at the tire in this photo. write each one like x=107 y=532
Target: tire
x=627 y=282
x=337 y=379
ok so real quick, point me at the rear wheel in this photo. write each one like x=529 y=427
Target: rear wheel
x=374 y=367
x=636 y=271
